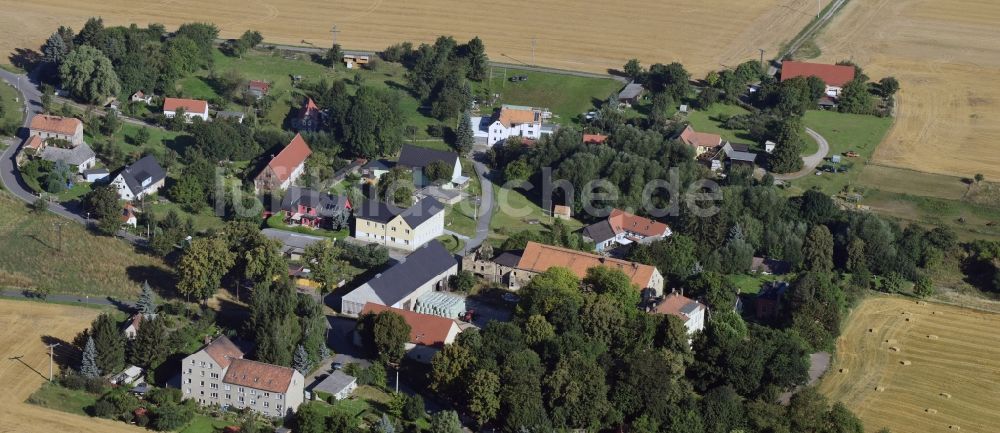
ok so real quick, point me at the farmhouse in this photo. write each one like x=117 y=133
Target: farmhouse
x=218 y=375
x=310 y=208
x=423 y=271
x=310 y=117
x=733 y=154
x=770 y=299
x=408 y=229
x=82 y=157
x=483 y=264
x=835 y=76
x=538 y=258
x=428 y=334
x=190 y=107
x=623 y=228
x=285 y=167
x=140 y=179
x=419 y=158
x=48 y=127
x=131 y=327
x=691 y=312
x=701 y=142
x=630 y=94
x=514 y=121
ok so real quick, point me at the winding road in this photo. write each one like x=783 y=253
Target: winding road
x=809 y=162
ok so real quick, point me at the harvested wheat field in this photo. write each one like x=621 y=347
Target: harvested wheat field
x=946 y=54
x=944 y=372
x=568 y=34
x=23 y=325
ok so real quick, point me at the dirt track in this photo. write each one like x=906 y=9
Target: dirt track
x=945 y=53
x=568 y=34
x=22 y=326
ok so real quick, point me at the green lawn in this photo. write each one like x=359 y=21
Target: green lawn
x=276 y=222
x=514 y=212
x=711 y=121
x=459 y=218
x=750 y=283
x=565 y=95
x=969 y=220
x=76 y=192
x=205 y=424
x=53 y=396
x=844 y=132
x=452 y=243
x=196 y=87
x=13 y=110
x=203 y=220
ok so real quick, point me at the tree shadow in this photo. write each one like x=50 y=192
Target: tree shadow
x=159 y=279
x=231 y=315
x=25 y=58
x=179 y=144
x=392 y=84
x=65 y=355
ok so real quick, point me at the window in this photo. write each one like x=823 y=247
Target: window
x=214 y=375
x=190 y=371
x=241 y=399
x=278 y=397
x=203 y=383
x=228 y=387
x=266 y=404
x=188 y=380
x=187 y=391
x=215 y=395
x=229 y=396
x=192 y=362
x=393 y=229
x=278 y=406
x=253 y=402
x=214 y=385
x=202 y=364
x=267 y=394
x=202 y=373
x=241 y=390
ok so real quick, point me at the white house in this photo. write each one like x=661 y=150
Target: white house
x=139 y=96
x=192 y=108
x=407 y=229
x=691 y=312
x=131 y=328
x=623 y=228
x=419 y=158
x=423 y=271
x=515 y=121
x=834 y=76
x=132 y=375
x=140 y=179
x=218 y=375
x=57 y=127
x=96 y=174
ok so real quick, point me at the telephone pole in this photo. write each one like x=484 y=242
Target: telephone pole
x=334 y=30
x=52 y=348
x=59 y=225
x=761 y=57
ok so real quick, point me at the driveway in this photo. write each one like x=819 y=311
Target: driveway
x=809 y=162
x=485 y=206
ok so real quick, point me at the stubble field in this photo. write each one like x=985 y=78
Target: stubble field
x=591 y=36
x=944 y=52
x=25 y=328
x=923 y=368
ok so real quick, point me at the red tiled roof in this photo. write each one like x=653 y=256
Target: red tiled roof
x=561 y=209
x=34 y=143
x=674 y=304
x=700 y=139
x=624 y=221
x=425 y=329
x=310 y=109
x=510 y=116
x=258 y=375
x=595 y=138
x=223 y=351
x=291 y=156
x=832 y=75
x=540 y=257
x=262 y=86
x=57 y=124
x=189 y=105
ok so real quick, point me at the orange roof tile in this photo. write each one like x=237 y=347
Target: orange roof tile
x=189 y=105
x=832 y=75
x=595 y=138
x=516 y=116
x=223 y=351
x=57 y=124
x=700 y=139
x=674 y=305
x=425 y=329
x=34 y=143
x=258 y=375
x=291 y=156
x=624 y=221
x=561 y=209
x=540 y=257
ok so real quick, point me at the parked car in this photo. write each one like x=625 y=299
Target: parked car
x=469 y=315
x=336 y=366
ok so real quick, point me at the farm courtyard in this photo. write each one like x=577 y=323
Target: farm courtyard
x=25 y=328
x=918 y=367
x=943 y=53
x=703 y=34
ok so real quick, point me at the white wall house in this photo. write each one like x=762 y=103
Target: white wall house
x=404 y=229
x=691 y=312
x=142 y=178
x=192 y=108
x=515 y=121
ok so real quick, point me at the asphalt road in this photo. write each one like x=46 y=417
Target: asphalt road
x=809 y=162
x=485 y=206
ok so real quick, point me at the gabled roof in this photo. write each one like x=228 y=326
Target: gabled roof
x=189 y=105
x=425 y=329
x=510 y=115
x=599 y=231
x=699 y=139
x=34 y=142
x=379 y=211
x=631 y=91
x=75 y=156
x=594 y=138
x=294 y=154
x=258 y=375
x=309 y=110
x=223 y=351
x=143 y=173
x=56 y=124
x=420 y=157
x=678 y=305
x=540 y=257
x=428 y=261
x=291 y=241
x=335 y=383
x=832 y=75
x=259 y=85
x=324 y=203
x=624 y=221
x=378 y=164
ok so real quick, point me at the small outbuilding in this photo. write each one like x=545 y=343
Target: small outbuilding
x=338 y=385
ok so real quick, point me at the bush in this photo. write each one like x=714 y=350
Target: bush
x=436 y=131
x=161 y=396
x=171 y=416
x=414 y=409
x=103 y=409
x=77 y=381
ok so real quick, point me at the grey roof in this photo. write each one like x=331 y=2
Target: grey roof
x=75 y=156
x=379 y=164
x=230 y=114
x=418 y=157
x=414 y=215
x=599 y=231
x=631 y=91
x=772 y=290
x=508 y=259
x=428 y=261
x=335 y=382
x=690 y=308
x=100 y=170
x=144 y=172
x=326 y=204
x=739 y=152
x=291 y=241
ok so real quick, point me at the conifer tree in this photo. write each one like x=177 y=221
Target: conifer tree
x=88 y=365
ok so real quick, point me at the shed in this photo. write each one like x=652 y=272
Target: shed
x=562 y=212
x=95 y=174
x=338 y=384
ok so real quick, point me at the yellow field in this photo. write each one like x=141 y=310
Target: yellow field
x=569 y=34
x=22 y=326
x=945 y=54
x=953 y=378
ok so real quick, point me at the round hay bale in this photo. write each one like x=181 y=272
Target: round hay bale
x=945 y=395
x=894 y=348
x=880 y=388
x=954 y=427
x=844 y=370
x=905 y=362
x=932 y=337
x=929 y=410
x=907 y=319
x=870 y=330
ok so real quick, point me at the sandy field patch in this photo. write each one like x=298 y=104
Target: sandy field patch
x=918 y=367
x=23 y=324
x=946 y=54
x=590 y=36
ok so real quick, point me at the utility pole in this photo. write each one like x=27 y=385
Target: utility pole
x=52 y=348
x=59 y=225
x=761 y=57
x=819 y=8
x=334 y=30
